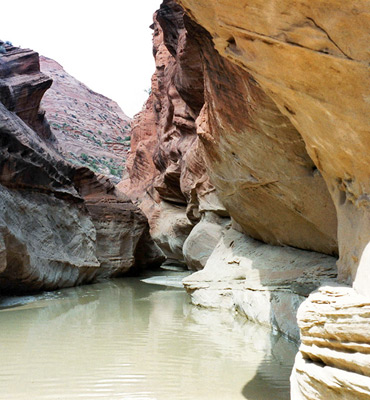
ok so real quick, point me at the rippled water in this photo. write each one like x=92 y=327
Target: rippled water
x=128 y=340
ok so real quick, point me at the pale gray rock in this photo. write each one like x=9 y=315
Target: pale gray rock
x=265 y=283
x=202 y=240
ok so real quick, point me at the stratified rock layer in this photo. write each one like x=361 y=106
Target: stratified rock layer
x=311 y=59
x=59 y=225
x=334 y=357
x=91 y=130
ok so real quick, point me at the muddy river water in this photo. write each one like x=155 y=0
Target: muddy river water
x=126 y=339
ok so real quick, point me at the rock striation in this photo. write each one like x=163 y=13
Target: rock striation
x=91 y=130
x=311 y=60
x=278 y=94
x=166 y=172
x=59 y=225
x=334 y=356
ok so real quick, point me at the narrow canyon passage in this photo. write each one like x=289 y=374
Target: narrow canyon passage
x=126 y=339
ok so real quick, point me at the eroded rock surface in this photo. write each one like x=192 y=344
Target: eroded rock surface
x=59 y=225
x=265 y=283
x=311 y=59
x=91 y=130
x=334 y=357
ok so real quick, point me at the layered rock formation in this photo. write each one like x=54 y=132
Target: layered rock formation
x=59 y=225
x=334 y=357
x=309 y=61
x=284 y=201
x=166 y=172
x=279 y=95
x=91 y=129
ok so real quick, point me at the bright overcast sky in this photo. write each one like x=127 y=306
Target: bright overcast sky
x=105 y=44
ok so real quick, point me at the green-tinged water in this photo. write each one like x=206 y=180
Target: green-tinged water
x=126 y=339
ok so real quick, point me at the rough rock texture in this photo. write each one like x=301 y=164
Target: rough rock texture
x=263 y=282
x=334 y=358
x=22 y=86
x=284 y=201
x=91 y=130
x=202 y=240
x=59 y=225
x=166 y=172
x=311 y=59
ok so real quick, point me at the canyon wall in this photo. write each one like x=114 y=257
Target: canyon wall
x=312 y=61
x=59 y=225
x=166 y=172
x=198 y=169
x=91 y=130
x=264 y=106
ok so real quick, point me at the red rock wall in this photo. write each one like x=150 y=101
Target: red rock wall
x=245 y=149
x=166 y=172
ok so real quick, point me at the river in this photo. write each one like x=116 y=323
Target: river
x=126 y=339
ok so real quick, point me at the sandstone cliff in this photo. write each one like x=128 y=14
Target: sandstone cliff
x=311 y=60
x=91 y=129
x=199 y=151
x=166 y=172
x=59 y=225
x=277 y=94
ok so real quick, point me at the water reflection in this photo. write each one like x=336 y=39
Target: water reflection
x=129 y=340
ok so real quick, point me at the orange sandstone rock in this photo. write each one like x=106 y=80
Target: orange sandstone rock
x=311 y=59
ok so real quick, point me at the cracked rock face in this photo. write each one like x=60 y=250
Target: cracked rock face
x=312 y=60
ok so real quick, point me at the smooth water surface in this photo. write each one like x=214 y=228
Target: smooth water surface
x=127 y=340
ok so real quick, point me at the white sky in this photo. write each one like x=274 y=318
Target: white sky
x=104 y=44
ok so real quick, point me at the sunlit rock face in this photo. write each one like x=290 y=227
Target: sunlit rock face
x=311 y=59
x=59 y=225
x=258 y=161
